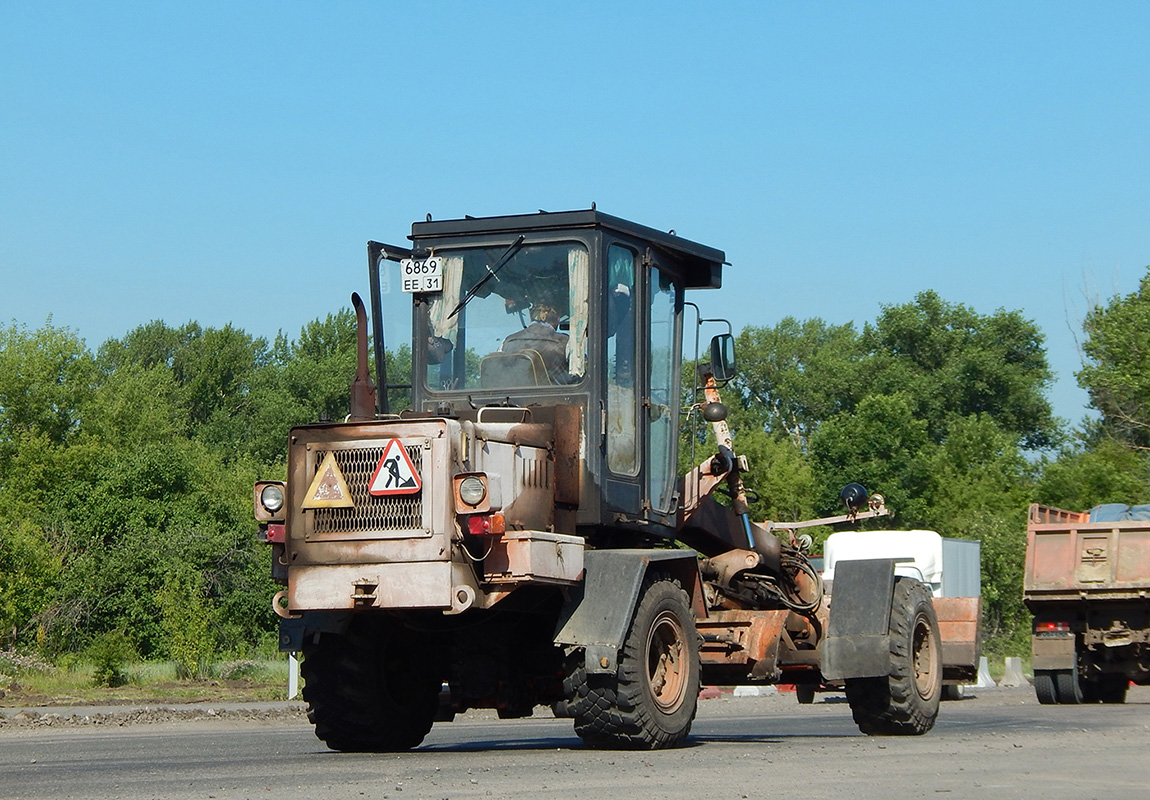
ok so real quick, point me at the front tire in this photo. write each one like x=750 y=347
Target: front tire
x=371 y=688
x=650 y=701
x=905 y=702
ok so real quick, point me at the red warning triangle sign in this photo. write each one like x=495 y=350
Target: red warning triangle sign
x=394 y=474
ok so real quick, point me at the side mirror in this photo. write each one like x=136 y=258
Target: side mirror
x=723 y=357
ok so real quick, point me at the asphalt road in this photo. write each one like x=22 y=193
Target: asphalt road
x=998 y=744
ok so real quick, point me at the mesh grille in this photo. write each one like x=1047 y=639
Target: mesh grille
x=402 y=512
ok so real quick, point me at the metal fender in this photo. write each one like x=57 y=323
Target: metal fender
x=296 y=628
x=858 y=639
x=598 y=611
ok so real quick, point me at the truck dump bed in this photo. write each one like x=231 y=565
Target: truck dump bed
x=1068 y=557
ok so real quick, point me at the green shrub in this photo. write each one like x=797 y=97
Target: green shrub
x=188 y=623
x=110 y=654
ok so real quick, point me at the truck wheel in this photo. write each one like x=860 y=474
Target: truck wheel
x=1067 y=686
x=805 y=693
x=651 y=699
x=905 y=702
x=1044 y=687
x=369 y=689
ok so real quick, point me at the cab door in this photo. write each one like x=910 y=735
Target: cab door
x=641 y=421
x=661 y=404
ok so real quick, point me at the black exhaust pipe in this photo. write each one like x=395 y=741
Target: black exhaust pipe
x=362 y=388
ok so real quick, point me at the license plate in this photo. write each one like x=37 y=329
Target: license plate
x=421 y=274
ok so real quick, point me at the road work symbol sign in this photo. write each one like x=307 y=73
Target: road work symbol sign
x=329 y=489
x=394 y=474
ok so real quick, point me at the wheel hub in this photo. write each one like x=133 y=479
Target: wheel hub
x=925 y=660
x=667 y=662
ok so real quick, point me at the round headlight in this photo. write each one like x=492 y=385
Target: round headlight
x=472 y=490
x=272 y=498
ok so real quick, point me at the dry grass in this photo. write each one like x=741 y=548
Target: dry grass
x=28 y=681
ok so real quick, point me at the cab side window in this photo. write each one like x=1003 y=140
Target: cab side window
x=622 y=402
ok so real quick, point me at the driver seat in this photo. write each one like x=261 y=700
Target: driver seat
x=508 y=370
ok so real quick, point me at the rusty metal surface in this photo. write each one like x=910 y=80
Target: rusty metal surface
x=714 y=529
x=1045 y=515
x=531 y=434
x=362 y=389
x=568 y=444
x=698 y=484
x=1052 y=652
x=402 y=585
x=958 y=619
x=1079 y=560
x=727 y=565
x=534 y=556
x=742 y=637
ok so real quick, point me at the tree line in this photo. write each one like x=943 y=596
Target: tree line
x=126 y=473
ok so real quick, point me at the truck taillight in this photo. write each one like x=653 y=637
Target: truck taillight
x=272 y=533
x=486 y=524
x=1052 y=628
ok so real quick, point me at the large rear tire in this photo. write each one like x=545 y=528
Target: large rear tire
x=905 y=702
x=651 y=699
x=370 y=689
x=1044 y=687
x=1067 y=686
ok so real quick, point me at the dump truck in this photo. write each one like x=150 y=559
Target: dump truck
x=519 y=536
x=1087 y=583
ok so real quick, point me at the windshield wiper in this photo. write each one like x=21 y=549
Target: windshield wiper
x=503 y=259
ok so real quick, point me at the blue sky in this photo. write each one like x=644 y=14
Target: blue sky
x=227 y=162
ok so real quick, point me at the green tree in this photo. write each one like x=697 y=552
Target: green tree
x=149 y=345
x=29 y=574
x=1105 y=471
x=932 y=405
x=45 y=377
x=782 y=479
x=128 y=518
x=953 y=362
x=1117 y=371
x=135 y=405
x=977 y=470
x=797 y=375
x=881 y=445
x=188 y=622
x=212 y=372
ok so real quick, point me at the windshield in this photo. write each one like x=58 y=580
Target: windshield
x=525 y=326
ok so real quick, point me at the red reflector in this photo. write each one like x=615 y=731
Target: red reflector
x=1050 y=627
x=276 y=532
x=485 y=524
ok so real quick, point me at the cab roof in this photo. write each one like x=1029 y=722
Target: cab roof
x=702 y=264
